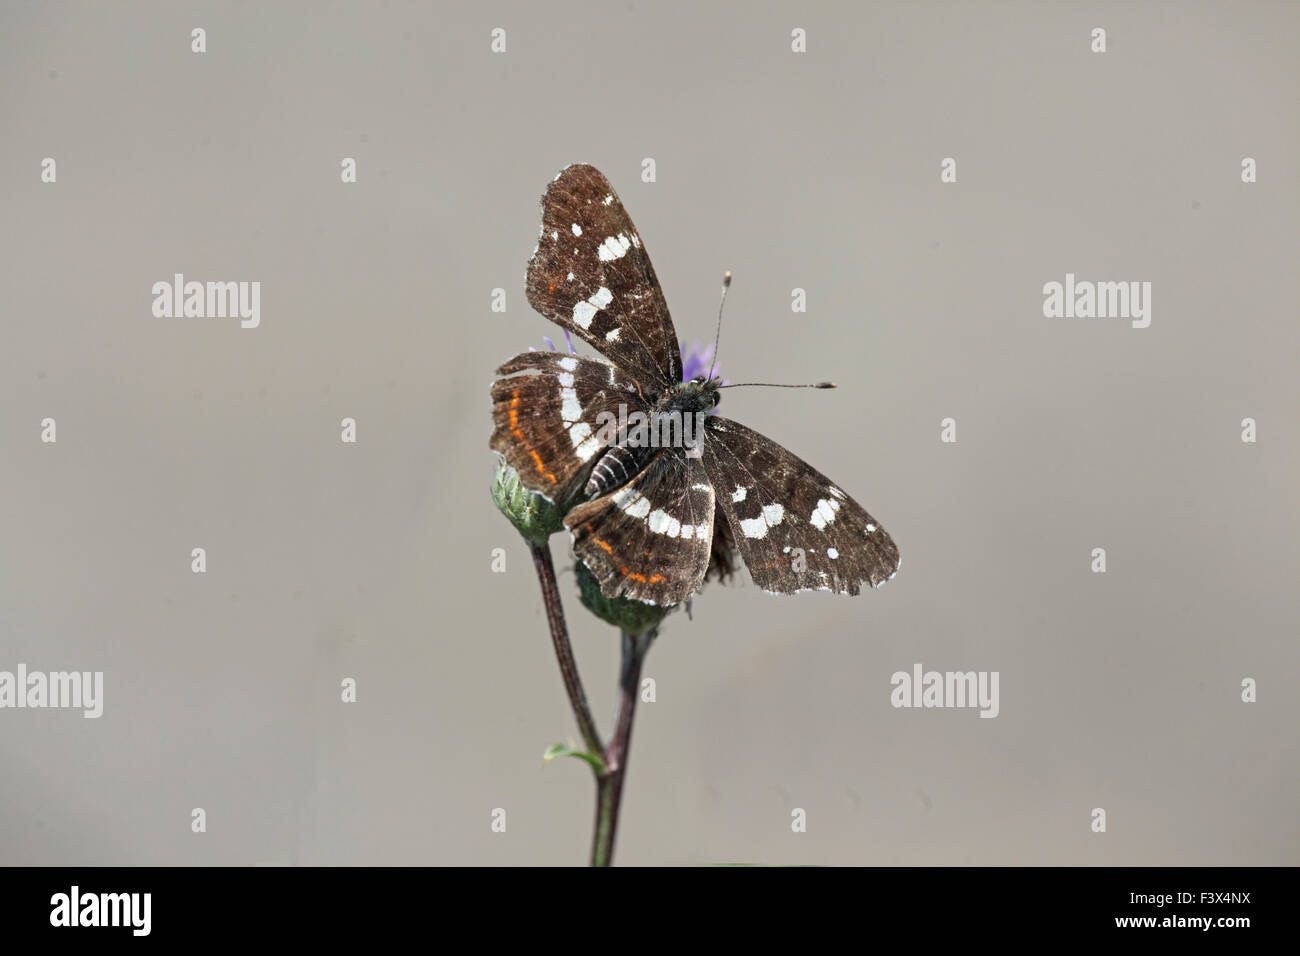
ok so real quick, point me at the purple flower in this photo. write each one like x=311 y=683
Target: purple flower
x=551 y=345
x=695 y=362
x=699 y=363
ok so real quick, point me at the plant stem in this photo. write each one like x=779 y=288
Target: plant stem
x=609 y=782
x=563 y=649
x=609 y=785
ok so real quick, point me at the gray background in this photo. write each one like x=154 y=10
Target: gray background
x=819 y=171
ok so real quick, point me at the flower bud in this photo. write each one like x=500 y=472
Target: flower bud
x=535 y=517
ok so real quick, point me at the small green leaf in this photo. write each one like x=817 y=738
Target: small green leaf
x=564 y=750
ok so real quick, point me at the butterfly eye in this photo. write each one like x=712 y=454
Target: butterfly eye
x=717 y=399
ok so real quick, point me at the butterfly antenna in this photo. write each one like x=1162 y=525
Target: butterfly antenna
x=781 y=385
x=726 y=284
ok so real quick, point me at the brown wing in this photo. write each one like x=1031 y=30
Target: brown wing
x=794 y=527
x=591 y=275
x=547 y=417
x=649 y=540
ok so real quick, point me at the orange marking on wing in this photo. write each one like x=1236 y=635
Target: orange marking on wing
x=541 y=469
x=635 y=576
x=519 y=434
x=608 y=549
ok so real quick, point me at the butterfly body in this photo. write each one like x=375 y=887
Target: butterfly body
x=644 y=515
x=678 y=412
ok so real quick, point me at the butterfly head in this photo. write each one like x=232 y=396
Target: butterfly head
x=699 y=394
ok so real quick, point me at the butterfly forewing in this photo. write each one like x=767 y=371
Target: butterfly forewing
x=795 y=528
x=546 y=416
x=650 y=539
x=591 y=274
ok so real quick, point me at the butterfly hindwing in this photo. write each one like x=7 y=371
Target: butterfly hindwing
x=591 y=275
x=795 y=529
x=649 y=540
x=546 y=415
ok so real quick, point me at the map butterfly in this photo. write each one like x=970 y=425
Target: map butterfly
x=643 y=518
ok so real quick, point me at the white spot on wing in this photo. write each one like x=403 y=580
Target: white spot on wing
x=770 y=517
x=577 y=229
x=584 y=312
x=570 y=408
x=739 y=493
x=584 y=443
x=615 y=247
x=638 y=508
x=825 y=513
x=613 y=334
x=832 y=553
x=871 y=527
x=566 y=379
x=661 y=522
x=609 y=199
x=569 y=364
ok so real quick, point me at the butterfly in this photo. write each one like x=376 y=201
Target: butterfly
x=643 y=514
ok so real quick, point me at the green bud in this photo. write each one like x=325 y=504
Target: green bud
x=634 y=617
x=535 y=517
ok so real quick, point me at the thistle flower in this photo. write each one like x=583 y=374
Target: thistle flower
x=697 y=362
x=551 y=345
x=534 y=517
